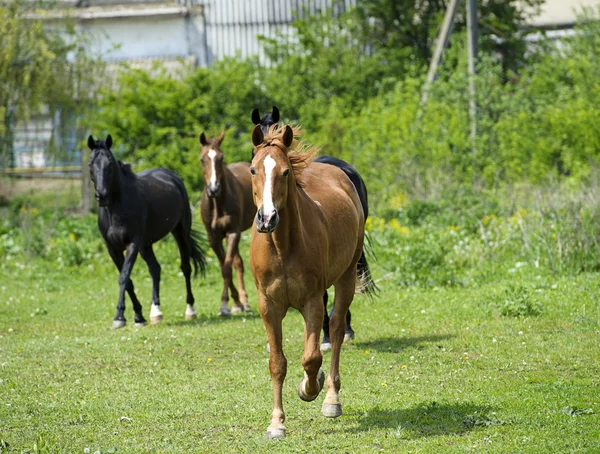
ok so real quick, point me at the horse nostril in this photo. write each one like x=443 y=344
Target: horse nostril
x=260 y=216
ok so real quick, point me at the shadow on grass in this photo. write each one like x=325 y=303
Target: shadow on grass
x=204 y=319
x=395 y=344
x=429 y=419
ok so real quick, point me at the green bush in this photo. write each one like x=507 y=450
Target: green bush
x=518 y=301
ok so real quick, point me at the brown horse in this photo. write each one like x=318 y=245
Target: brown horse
x=308 y=235
x=227 y=210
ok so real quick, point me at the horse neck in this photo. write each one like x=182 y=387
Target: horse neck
x=116 y=187
x=218 y=203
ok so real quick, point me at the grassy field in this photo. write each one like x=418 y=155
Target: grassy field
x=430 y=370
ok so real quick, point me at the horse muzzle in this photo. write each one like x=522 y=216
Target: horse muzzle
x=266 y=223
x=102 y=199
x=213 y=190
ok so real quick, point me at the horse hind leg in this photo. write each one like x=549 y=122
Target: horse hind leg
x=185 y=253
x=348 y=334
x=344 y=294
x=326 y=343
x=242 y=301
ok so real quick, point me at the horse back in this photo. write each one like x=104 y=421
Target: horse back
x=333 y=192
x=166 y=200
x=352 y=173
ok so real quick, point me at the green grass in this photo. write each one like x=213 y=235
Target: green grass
x=430 y=370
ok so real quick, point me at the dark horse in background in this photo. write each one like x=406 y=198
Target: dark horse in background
x=272 y=118
x=136 y=211
x=227 y=210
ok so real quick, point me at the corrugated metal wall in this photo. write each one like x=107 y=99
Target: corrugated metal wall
x=232 y=26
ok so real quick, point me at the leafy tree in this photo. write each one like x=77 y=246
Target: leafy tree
x=40 y=65
x=393 y=26
x=156 y=118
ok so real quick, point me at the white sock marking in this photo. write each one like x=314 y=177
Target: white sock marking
x=190 y=311
x=155 y=311
x=268 y=206
x=213 y=177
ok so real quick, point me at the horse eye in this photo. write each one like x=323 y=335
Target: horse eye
x=286 y=172
x=252 y=171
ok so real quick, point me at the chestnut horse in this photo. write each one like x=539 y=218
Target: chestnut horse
x=272 y=118
x=308 y=235
x=227 y=210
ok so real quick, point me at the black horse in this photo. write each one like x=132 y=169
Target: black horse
x=136 y=211
x=272 y=118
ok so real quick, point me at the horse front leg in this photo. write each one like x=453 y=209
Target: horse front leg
x=117 y=258
x=344 y=294
x=154 y=269
x=314 y=377
x=238 y=264
x=131 y=253
x=272 y=318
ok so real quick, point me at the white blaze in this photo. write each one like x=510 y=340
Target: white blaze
x=213 y=176
x=268 y=206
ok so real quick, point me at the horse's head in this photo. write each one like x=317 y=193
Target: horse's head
x=103 y=168
x=270 y=173
x=269 y=119
x=211 y=158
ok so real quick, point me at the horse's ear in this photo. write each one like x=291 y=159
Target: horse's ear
x=275 y=114
x=255 y=117
x=203 y=140
x=288 y=136
x=108 y=141
x=91 y=142
x=257 y=136
x=222 y=136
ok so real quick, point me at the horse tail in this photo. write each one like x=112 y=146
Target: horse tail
x=197 y=254
x=366 y=285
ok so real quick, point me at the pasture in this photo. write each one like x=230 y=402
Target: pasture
x=432 y=369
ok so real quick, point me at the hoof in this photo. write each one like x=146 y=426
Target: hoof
x=331 y=410
x=224 y=312
x=141 y=324
x=247 y=307
x=325 y=346
x=190 y=312
x=156 y=319
x=320 y=382
x=274 y=434
x=348 y=336
x=119 y=324
x=237 y=309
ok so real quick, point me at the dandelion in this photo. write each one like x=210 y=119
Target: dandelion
x=403 y=366
x=209 y=359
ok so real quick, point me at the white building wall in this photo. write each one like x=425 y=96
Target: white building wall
x=136 y=38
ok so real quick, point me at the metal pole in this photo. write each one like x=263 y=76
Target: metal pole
x=442 y=42
x=86 y=192
x=473 y=50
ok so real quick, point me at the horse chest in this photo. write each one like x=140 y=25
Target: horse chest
x=290 y=283
x=117 y=235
